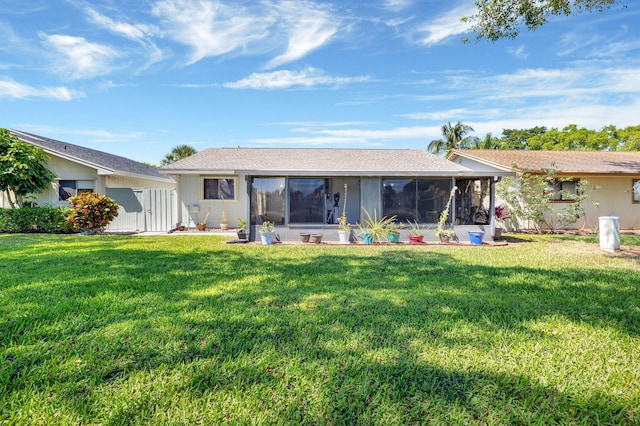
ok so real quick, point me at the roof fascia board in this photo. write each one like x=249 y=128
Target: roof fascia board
x=489 y=163
x=421 y=173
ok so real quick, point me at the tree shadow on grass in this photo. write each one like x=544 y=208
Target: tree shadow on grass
x=157 y=307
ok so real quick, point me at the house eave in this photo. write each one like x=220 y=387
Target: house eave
x=340 y=173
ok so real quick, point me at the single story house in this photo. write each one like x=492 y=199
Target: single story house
x=146 y=197
x=303 y=189
x=614 y=175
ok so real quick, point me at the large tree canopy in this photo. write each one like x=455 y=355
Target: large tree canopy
x=571 y=137
x=22 y=169
x=497 y=19
x=178 y=153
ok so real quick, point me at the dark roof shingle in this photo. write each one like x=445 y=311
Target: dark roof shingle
x=98 y=159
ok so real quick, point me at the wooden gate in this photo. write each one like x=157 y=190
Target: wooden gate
x=143 y=210
x=160 y=210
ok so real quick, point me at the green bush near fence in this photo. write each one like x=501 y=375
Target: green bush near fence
x=51 y=220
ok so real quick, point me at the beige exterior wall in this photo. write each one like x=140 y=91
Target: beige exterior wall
x=613 y=196
x=69 y=170
x=191 y=193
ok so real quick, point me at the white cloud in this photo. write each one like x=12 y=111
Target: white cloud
x=140 y=33
x=211 y=28
x=14 y=90
x=131 y=31
x=355 y=136
x=95 y=135
x=80 y=58
x=309 y=27
x=309 y=77
x=437 y=115
x=519 y=52
x=397 y=5
x=444 y=26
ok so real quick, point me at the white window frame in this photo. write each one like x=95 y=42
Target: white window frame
x=235 y=188
x=79 y=187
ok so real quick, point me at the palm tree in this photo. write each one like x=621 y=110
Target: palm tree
x=178 y=153
x=455 y=137
x=489 y=142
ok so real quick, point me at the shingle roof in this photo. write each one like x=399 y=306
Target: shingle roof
x=91 y=157
x=317 y=161
x=565 y=162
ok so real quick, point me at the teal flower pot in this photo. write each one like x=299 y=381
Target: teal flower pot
x=367 y=238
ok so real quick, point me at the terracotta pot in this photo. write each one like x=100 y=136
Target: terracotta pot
x=202 y=226
x=416 y=239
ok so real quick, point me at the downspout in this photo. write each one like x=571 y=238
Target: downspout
x=249 y=180
x=492 y=204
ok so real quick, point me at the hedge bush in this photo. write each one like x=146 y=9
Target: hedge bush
x=52 y=220
x=91 y=211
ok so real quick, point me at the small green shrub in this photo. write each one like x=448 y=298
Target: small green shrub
x=92 y=211
x=51 y=220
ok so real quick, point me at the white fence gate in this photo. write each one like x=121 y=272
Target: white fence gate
x=150 y=210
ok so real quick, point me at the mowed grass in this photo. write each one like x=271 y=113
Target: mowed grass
x=118 y=330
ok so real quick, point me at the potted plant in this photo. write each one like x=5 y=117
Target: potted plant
x=444 y=232
x=374 y=230
x=224 y=225
x=344 y=228
x=501 y=214
x=202 y=225
x=242 y=228
x=416 y=232
x=267 y=232
x=393 y=232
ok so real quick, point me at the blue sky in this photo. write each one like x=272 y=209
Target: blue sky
x=138 y=78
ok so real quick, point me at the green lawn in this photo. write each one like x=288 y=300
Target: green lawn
x=187 y=330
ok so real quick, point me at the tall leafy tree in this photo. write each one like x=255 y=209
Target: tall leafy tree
x=455 y=137
x=518 y=139
x=178 y=153
x=498 y=19
x=22 y=168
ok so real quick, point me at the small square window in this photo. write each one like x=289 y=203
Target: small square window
x=219 y=188
x=636 y=191
x=71 y=188
x=566 y=190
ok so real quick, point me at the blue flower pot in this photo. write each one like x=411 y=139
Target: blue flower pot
x=367 y=238
x=394 y=238
x=476 y=237
x=267 y=237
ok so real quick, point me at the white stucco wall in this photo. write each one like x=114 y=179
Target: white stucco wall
x=614 y=198
x=191 y=192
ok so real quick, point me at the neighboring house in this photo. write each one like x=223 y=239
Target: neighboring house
x=146 y=197
x=302 y=190
x=614 y=174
